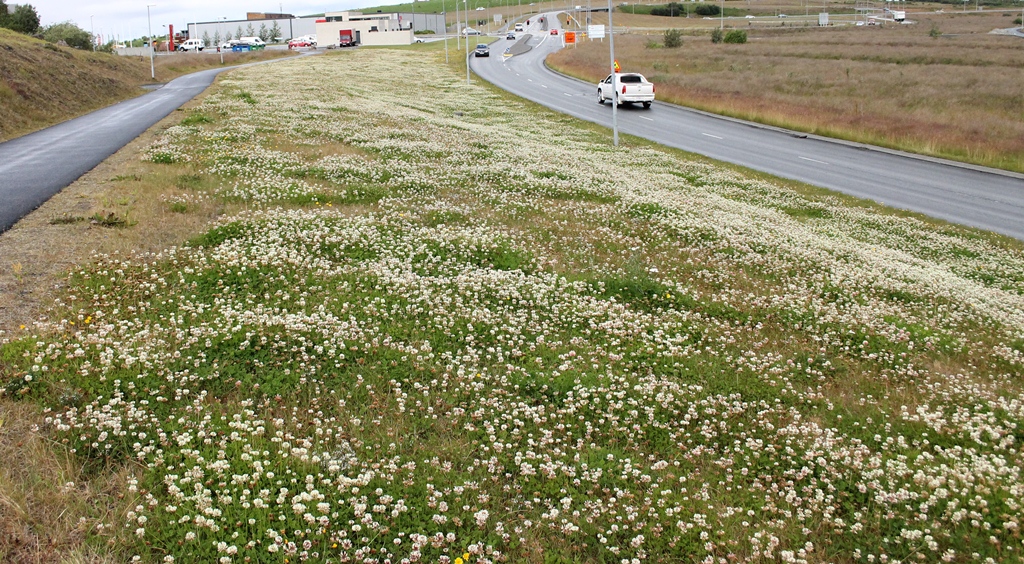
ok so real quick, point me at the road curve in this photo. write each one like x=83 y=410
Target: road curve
x=36 y=166
x=975 y=196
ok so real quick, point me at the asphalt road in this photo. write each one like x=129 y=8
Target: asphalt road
x=964 y=194
x=36 y=166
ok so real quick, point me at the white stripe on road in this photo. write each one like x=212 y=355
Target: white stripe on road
x=710 y=135
x=646 y=118
x=814 y=161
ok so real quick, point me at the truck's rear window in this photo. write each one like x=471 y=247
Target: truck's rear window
x=629 y=78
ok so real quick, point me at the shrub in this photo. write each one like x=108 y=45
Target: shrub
x=934 y=31
x=707 y=10
x=673 y=38
x=736 y=36
x=672 y=9
x=69 y=33
x=716 y=35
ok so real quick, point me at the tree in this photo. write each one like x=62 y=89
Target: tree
x=716 y=35
x=275 y=31
x=250 y=31
x=264 y=33
x=3 y=14
x=216 y=38
x=25 y=19
x=69 y=33
x=206 y=39
x=673 y=38
x=240 y=34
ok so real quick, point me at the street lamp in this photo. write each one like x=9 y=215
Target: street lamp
x=465 y=4
x=152 y=69
x=219 y=50
x=615 y=77
x=92 y=31
x=721 y=16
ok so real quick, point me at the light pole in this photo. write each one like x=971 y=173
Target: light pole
x=615 y=77
x=721 y=17
x=92 y=31
x=219 y=50
x=152 y=69
x=444 y=15
x=465 y=4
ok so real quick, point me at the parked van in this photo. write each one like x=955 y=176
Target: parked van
x=252 y=42
x=191 y=45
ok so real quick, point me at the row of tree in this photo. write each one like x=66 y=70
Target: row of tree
x=268 y=35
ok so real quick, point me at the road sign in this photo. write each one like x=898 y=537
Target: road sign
x=570 y=37
x=595 y=31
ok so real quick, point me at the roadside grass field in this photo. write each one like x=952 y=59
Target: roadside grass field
x=943 y=86
x=441 y=324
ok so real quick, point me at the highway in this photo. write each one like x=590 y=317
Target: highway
x=965 y=194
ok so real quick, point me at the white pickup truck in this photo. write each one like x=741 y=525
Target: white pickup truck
x=626 y=88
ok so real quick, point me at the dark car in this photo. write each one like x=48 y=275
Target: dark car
x=511 y=36
x=482 y=50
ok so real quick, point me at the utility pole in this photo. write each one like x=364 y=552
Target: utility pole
x=615 y=78
x=152 y=69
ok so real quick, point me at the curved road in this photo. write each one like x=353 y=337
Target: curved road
x=970 y=195
x=36 y=166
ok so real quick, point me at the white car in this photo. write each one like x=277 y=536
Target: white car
x=470 y=31
x=190 y=45
x=626 y=88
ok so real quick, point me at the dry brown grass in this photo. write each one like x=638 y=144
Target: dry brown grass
x=42 y=84
x=957 y=96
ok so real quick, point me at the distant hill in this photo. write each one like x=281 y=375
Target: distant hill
x=42 y=84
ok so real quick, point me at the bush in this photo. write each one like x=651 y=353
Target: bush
x=716 y=35
x=934 y=31
x=707 y=10
x=69 y=33
x=672 y=9
x=736 y=36
x=673 y=38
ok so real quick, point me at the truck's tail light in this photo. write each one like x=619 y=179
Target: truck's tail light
x=623 y=88
x=653 y=89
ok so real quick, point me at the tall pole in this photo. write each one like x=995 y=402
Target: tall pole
x=152 y=69
x=721 y=16
x=465 y=4
x=444 y=15
x=615 y=78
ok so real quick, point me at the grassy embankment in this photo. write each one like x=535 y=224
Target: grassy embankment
x=956 y=96
x=412 y=337
x=42 y=84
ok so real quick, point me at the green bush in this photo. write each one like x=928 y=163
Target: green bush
x=673 y=38
x=736 y=36
x=707 y=10
x=716 y=35
x=69 y=33
x=672 y=9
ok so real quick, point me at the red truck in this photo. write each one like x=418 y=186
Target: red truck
x=346 y=38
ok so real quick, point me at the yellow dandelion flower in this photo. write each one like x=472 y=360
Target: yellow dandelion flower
x=465 y=556
x=458 y=561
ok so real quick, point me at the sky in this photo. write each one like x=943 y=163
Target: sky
x=126 y=19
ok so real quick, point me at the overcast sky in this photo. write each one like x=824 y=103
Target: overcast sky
x=124 y=19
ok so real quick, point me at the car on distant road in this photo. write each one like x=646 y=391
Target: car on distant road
x=470 y=31
x=511 y=36
x=482 y=50
x=190 y=45
x=554 y=31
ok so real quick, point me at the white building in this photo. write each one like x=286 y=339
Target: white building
x=376 y=28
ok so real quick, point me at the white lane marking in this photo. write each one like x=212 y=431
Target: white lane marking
x=710 y=135
x=646 y=118
x=543 y=85
x=814 y=161
x=567 y=94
